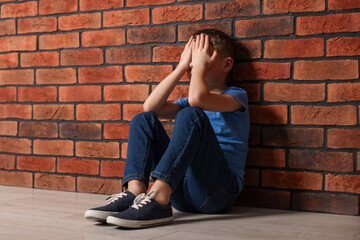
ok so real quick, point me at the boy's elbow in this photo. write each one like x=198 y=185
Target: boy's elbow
x=146 y=107
x=194 y=101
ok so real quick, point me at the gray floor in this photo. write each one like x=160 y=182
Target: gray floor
x=42 y=214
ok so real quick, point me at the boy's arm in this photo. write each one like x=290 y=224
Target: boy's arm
x=157 y=100
x=199 y=94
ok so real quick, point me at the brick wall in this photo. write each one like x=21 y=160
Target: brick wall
x=73 y=73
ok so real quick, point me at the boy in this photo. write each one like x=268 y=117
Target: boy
x=202 y=168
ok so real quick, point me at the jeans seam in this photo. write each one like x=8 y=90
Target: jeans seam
x=183 y=147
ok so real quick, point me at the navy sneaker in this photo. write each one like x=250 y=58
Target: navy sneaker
x=144 y=212
x=114 y=204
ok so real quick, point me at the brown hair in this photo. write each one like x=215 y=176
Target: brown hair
x=219 y=41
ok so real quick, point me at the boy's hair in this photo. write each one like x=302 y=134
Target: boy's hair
x=219 y=41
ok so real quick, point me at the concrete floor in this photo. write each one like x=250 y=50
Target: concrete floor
x=43 y=214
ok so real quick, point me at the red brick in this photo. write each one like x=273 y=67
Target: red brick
x=98 y=185
x=130 y=110
x=43 y=164
x=82 y=57
x=9 y=60
x=15 y=111
x=256 y=197
x=326 y=69
x=38 y=129
x=80 y=131
x=343 y=138
x=131 y=92
x=47 y=7
x=300 y=137
x=116 y=130
x=272 y=26
x=7 y=27
x=343 y=92
x=151 y=34
x=147 y=73
x=77 y=165
x=54 y=182
x=231 y=9
x=266 y=157
x=291 y=92
x=56 y=76
x=7 y=161
x=80 y=94
x=358 y=161
x=336 y=23
x=286 y=6
x=56 y=41
x=292 y=180
x=89 y=5
x=324 y=115
x=186 y=30
x=271 y=114
x=343 y=46
x=37 y=59
x=19 y=9
x=108 y=37
x=112 y=74
x=124 y=150
x=15 y=145
x=167 y=53
x=253 y=91
x=54 y=147
x=58 y=112
x=251 y=177
x=112 y=168
x=135 y=3
x=31 y=25
x=342 y=183
x=261 y=71
x=8 y=94
x=80 y=21
x=132 y=17
x=98 y=149
x=344 y=4
x=325 y=202
x=254 y=138
x=294 y=48
x=250 y=49
x=180 y=91
x=37 y=94
x=8 y=128
x=180 y=13
x=18 y=179
x=18 y=43
x=321 y=160
x=128 y=55
x=98 y=112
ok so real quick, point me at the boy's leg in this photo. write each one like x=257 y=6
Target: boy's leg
x=146 y=144
x=194 y=166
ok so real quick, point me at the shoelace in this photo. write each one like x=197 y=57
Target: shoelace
x=115 y=197
x=141 y=200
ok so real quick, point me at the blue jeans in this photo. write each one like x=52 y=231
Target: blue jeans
x=191 y=163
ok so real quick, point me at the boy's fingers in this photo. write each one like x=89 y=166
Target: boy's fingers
x=206 y=42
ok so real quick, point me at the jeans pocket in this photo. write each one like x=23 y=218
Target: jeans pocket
x=219 y=202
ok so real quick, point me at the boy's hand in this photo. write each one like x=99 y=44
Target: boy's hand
x=200 y=53
x=186 y=55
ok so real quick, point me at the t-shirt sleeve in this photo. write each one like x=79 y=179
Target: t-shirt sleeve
x=182 y=102
x=239 y=94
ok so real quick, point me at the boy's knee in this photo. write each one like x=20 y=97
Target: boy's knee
x=190 y=111
x=143 y=116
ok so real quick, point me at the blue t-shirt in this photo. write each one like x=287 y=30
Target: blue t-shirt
x=232 y=131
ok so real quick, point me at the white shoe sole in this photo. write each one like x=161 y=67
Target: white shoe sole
x=137 y=223
x=97 y=216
